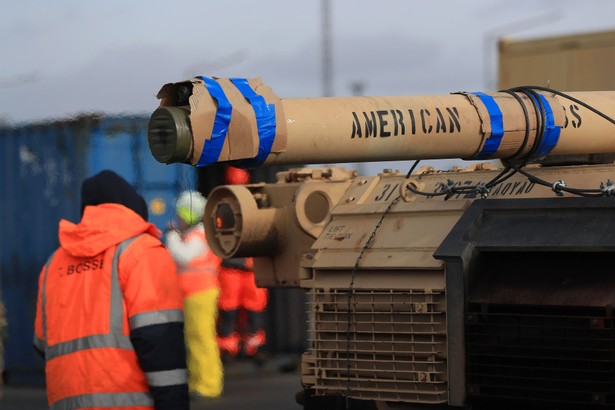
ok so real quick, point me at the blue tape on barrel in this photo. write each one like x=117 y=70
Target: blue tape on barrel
x=265 y=121
x=497 y=126
x=212 y=147
x=551 y=131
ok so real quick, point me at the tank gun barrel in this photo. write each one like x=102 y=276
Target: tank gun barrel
x=243 y=122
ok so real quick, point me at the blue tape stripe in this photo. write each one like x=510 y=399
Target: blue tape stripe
x=265 y=121
x=551 y=132
x=497 y=126
x=213 y=146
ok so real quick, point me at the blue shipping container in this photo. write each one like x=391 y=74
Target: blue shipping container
x=42 y=168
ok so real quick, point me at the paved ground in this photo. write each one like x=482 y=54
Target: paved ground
x=246 y=388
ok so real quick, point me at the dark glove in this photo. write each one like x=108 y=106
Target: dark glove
x=235 y=263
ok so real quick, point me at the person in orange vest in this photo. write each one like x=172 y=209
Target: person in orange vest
x=239 y=294
x=109 y=318
x=198 y=277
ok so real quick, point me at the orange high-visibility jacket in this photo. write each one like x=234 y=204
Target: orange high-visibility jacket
x=109 y=316
x=197 y=265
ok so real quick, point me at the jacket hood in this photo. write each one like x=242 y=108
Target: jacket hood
x=101 y=227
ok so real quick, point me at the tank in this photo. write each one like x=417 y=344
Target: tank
x=480 y=287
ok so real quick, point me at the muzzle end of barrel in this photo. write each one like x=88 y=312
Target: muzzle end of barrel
x=169 y=135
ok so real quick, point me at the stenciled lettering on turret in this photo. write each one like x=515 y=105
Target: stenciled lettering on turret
x=393 y=123
x=505 y=189
x=576 y=120
x=386 y=192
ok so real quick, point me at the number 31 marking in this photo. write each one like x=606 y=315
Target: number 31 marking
x=387 y=191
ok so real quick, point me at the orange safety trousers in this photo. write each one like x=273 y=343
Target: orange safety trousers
x=238 y=290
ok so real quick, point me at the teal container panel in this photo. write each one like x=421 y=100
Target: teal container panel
x=40 y=171
x=120 y=144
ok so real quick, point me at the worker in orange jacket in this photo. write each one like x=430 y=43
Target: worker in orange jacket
x=198 y=277
x=239 y=294
x=109 y=318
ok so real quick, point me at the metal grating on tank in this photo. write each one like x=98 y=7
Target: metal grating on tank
x=554 y=357
x=392 y=347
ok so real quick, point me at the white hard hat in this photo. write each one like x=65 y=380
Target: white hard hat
x=190 y=206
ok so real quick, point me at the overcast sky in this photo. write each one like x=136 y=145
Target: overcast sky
x=59 y=58
x=65 y=57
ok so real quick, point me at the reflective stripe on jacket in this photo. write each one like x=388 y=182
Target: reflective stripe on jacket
x=89 y=310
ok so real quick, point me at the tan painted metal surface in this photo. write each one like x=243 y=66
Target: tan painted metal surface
x=278 y=223
x=386 y=289
x=353 y=129
x=579 y=62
